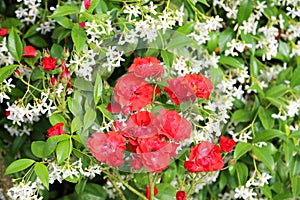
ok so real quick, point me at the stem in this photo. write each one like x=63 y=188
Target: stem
x=151 y=186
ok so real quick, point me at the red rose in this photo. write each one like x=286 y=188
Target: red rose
x=179 y=90
x=108 y=148
x=201 y=85
x=48 y=63
x=143 y=124
x=87 y=4
x=204 y=157
x=30 y=51
x=113 y=107
x=3 y=31
x=132 y=92
x=53 y=81
x=226 y=144
x=180 y=195
x=173 y=126
x=148 y=191
x=146 y=67
x=57 y=129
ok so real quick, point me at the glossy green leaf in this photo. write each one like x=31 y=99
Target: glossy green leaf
x=37 y=148
x=213 y=42
x=186 y=28
x=76 y=124
x=83 y=84
x=165 y=191
x=19 y=165
x=225 y=37
x=264 y=156
x=38 y=41
x=56 y=51
x=241 y=116
x=6 y=71
x=63 y=150
x=31 y=31
x=78 y=37
x=265 y=118
x=167 y=58
x=254 y=68
x=241 y=149
x=244 y=11
x=64 y=22
x=276 y=91
x=52 y=142
x=65 y=10
x=42 y=173
x=105 y=112
x=89 y=118
x=296 y=186
x=231 y=61
x=242 y=172
x=57 y=118
x=170 y=173
x=98 y=89
x=14 y=45
x=295 y=80
x=268 y=135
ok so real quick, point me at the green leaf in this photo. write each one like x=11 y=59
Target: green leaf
x=167 y=58
x=276 y=102
x=242 y=172
x=64 y=22
x=31 y=31
x=98 y=89
x=186 y=28
x=57 y=118
x=37 y=148
x=105 y=112
x=93 y=191
x=64 y=10
x=213 y=42
x=14 y=45
x=78 y=37
x=52 y=142
x=204 y=2
x=265 y=116
x=63 y=150
x=42 y=173
x=37 y=74
x=83 y=84
x=264 y=155
x=284 y=51
x=89 y=118
x=56 y=51
x=244 y=11
x=19 y=165
x=295 y=166
x=295 y=80
x=231 y=61
x=165 y=191
x=170 y=173
x=254 y=68
x=76 y=124
x=6 y=71
x=276 y=91
x=241 y=116
x=268 y=135
x=296 y=186
x=179 y=40
x=241 y=149
x=216 y=75
x=225 y=37
x=38 y=41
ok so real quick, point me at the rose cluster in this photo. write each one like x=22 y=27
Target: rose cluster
x=151 y=137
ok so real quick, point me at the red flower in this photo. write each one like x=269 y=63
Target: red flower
x=173 y=126
x=108 y=148
x=82 y=24
x=179 y=90
x=180 y=195
x=201 y=85
x=132 y=92
x=53 y=81
x=3 y=31
x=146 y=67
x=57 y=129
x=113 y=107
x=48 y=63
x=204 y=157
x=226 y=144
x=148 y=191
x=143 y=124
x=87 y=4
x=30 y=51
